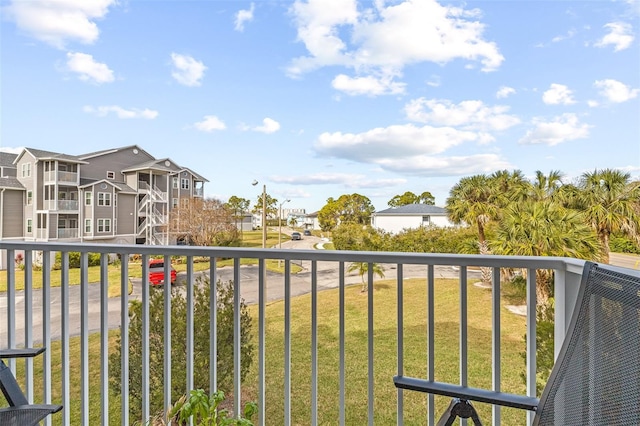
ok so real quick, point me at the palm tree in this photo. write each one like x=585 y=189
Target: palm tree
x=473 y=201
x=544 y=228
x=609 y=200
x=363 y=268
x=509 y=187
x=546 y=187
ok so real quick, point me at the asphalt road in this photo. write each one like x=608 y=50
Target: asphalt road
x=327 y=277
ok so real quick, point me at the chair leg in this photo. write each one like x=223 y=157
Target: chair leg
x=459 y=408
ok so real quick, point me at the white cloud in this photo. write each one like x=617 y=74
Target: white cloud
x=566 y=127
x=187 y=70
x=397 y=141
x=505 y=92
x=350 y=180
x=615 y=91
x=388 y=36
x=244 y=16
x=88 y=69
x=469 y=115
x=593 y=103
x=566 y=36
x=17 y=150
x=434 y=81
x=620 y=36
x=558 y=94
x=369 y=85
x=269 y=125
x=58 y=22
x=103 y=111
x=210 y=123
x=428 y=166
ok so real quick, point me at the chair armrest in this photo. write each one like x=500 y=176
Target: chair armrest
x=467 y=393
x=21 y=352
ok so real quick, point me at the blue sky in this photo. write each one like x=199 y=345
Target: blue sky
x=320 y=98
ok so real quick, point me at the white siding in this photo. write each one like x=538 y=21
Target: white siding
x=397 y=223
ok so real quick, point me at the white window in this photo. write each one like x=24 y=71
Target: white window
x=184 y=183
x=29 y=225
x=104 y=225
x=111 y=175
x=26 y=170
x=87 y=226
x=29 y=198
x=175 y=183
x=426 y=219
x=174 y=203
x=88 y=196
x=104 y=199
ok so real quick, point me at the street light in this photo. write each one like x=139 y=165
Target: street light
x=280 y=223
x=264 y=213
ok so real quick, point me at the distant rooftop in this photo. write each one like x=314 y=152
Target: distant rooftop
x=413 y=209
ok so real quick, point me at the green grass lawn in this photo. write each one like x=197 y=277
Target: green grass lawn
x=385 y=361
x=385 y=358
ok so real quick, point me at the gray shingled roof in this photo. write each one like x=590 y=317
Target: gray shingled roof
x=123 y=187
x=196 y=175
x=7 y=159
x=151 y=165
x=110 y=150
x=10 y=183
x=413 y=209
x=50 y=155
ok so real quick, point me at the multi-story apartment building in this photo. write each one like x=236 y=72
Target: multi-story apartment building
x=122 y=195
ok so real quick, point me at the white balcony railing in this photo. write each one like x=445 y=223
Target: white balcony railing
x=61 y=177
x=61 y=205
x=80 y=315
x=68 y=233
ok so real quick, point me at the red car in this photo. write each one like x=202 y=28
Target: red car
x=156 y=272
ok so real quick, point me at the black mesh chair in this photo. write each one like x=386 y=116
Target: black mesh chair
x=20 y=412
x=596 y=378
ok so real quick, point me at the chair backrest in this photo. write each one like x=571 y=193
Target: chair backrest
x=10 y=388
x=596 y=378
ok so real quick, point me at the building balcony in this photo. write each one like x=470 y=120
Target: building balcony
x=68 y=233
x=61 y=177
x=61 y=205
x=325 y=352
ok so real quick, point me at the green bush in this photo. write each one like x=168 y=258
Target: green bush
x=353 y=236
x=178 y=345
x=623 y=244
x=74 y=260
x=433 y=239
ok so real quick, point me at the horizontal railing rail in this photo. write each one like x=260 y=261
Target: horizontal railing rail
x=32 y=319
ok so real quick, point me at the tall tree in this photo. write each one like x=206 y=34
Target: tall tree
x=272 y=206
x=509 y=187
x=544 y=228
x=609 y=200
x=329 y=215
x=204 y=222
x=411 y=198
x=354 y=208
x=546 y=187
x=238 y=206
x=473 y=201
